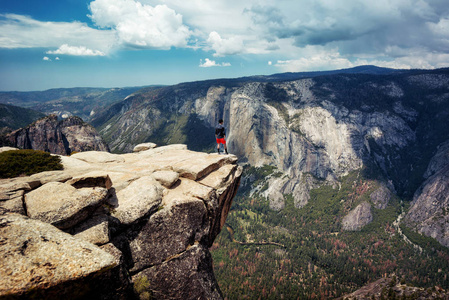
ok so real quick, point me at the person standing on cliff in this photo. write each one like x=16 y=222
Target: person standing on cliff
x=220 y=136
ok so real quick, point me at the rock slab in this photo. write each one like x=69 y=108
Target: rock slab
x=38 y=260
x=358 y=217
x=111 y=226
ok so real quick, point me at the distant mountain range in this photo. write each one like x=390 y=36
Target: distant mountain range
x=85 y=102
x=82 y=102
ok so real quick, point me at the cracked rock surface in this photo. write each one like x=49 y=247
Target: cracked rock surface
x=123 y=226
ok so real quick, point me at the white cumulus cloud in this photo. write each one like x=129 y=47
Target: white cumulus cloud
x=46 y=58
x=222 y=46
x=76 y=50
x=211 y=63
x=300 y=34
x=139 y=25
x=17 y=31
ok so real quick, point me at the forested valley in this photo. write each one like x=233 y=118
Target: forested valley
x=302 y=253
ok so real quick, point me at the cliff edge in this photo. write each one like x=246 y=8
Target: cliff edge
x=111 y=226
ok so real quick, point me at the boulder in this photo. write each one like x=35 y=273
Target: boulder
x=51 y=176
x=4 y=149
x=95 y=230
x=203 y=164
x=39 y=261
x=139 y=199
x=98 y=157
x=62 y=205
x=18 y=183
x=166 y=178
x=14 y=203
x=144 y=147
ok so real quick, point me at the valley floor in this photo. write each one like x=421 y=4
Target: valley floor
x=302 y=253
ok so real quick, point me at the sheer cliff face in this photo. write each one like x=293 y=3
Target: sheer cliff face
x=58 y=137
x=313 y=130
x=285 y=124
x=429 y=213
x=303 y=134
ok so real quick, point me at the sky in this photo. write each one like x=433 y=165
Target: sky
x=116 y=43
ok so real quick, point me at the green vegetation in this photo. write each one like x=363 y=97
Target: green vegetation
x=26 y=162
x=77 y=101
x=142 y=288
x=310 y=257
x=162 y=129
x=422 y=240
x=185 y=129
x=15 y=117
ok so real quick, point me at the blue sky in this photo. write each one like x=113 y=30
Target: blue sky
x=115 y=43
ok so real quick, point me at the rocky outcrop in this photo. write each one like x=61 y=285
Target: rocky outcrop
x=58 y=137
x=390 y=287
x=358 y=217
x=39 y=261
x=439 y=161
x=117 y=226
x=429 y=212
x=380 y=197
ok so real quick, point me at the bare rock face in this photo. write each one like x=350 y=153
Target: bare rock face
x=429 y=213
x=380 y=290
x=128 y=226
x=380 y=197
x=58 y=137
x=358 y=217
x=439 y=161
x=200 y=278
x=302 y=135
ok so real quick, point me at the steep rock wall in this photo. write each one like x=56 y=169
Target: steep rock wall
x=309 y=138
x=429 y=212
x=314 y=130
